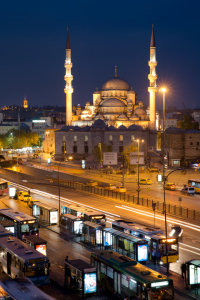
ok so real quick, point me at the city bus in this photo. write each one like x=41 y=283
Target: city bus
x=24 y=224
x=195 y=183
x=156 y=239
x=4 y=187
x=123 y=276
x=84 y=213
x=17 y=259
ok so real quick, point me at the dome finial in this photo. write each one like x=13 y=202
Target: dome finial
x=116 y=71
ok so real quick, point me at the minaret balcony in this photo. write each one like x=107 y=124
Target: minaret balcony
x=152 y=77
x=67 y=77
x=152 y=63
x=68 y=89
x=68 y=65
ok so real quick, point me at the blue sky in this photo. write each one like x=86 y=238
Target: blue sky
x=102 y=34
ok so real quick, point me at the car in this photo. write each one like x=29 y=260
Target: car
x=153 y=169
x=53 y=156
x=92 y=183
x=31 y=202
x=110 y=187
x=188 y=191
x=35 y=155
x=170 y=186
x=145 y=181
x=24 y=196
x=120 y=189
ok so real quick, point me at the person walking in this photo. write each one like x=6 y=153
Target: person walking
x=158 y=256
x=154 y=255
x=183 y=270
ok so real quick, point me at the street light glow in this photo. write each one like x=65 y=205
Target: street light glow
x=163 y=90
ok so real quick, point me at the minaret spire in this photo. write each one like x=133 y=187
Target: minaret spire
x=116 y=71
x=152 y=89
x=68 y=78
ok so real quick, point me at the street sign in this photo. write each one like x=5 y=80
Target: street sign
x=109 y=158
x=134 y=158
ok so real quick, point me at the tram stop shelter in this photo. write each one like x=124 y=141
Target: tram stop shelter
x=92 y=233
x=46 y=214
x=81 y=276
x=193 y=273
x=125 y=244
x=36 y=242
x=70 y=225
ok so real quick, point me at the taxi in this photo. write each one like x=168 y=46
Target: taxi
x=120 y=189
x=23 y=196
x=145 y=181
x=170 y=186
x=31 y=202
x=92 y=183
x=110 y=187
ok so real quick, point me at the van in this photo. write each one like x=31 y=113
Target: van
x=188 y=190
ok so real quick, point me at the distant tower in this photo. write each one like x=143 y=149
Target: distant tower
x=25 y=102
x=152 y=89
x=68 y=78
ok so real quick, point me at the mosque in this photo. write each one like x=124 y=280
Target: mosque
x=116 y=103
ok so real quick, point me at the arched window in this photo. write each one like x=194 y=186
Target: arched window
x=75 y=138
x=86 y=138
x=132 y=138
x=110 y=138
x=121 y=138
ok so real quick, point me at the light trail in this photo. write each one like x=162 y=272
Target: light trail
x=189 y=251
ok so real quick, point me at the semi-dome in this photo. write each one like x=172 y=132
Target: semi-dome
x=122 y=117
x=111 y=128
x=135 y=127
x=113 y=102
x=122 y=127
x=140 y=111
x=134 y=118
x=116 y=83
x=66 y=128
x=99 y=124
x=85 y=128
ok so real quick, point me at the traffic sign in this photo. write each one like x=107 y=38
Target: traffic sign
x=109 y=158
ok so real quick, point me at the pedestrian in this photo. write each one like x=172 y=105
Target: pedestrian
x=158 y=256
x=149 y=254
x=183 y=270
x=154 y=255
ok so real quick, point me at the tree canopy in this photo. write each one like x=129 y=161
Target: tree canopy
x=189 y=123
x=15 y=139
x=97 y=152
x=126 y=153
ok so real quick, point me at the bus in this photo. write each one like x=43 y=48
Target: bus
x=24 y=224
x=156 y=239
x=123 y=276
x=195 y=183
x=4 y=187
x=84 y=213
x=17 y=259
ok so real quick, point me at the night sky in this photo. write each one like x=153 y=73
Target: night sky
x=102 y=34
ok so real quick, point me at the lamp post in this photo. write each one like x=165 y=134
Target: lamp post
x=138 y=189
x=164 y=180
x=100 y=146
x=59 y=191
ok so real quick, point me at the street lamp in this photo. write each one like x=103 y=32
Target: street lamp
x=100 y=146
x=164 y=180
x=59 y=189
x=138 y=189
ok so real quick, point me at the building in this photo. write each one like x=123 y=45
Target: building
x=168 y=123
x=116 y=103
x=196 y=114
x=49 y=143
x=181 y=145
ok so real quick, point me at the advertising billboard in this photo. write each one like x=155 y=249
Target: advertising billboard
x=90 y=283
x=194 y=275
x=109 y=158
x=11 y=229
x=36 y=210
x=42 y=249
x=107 y=239
x=53 y=217
x=12 y=192
x=142 y=253
x=134 y=158
x=77 y=226
x=98 y=236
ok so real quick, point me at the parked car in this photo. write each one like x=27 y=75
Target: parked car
x=92 y=183
x=188 y=191
x=170 y=186
x=121 y=189
x=110 y=187
x=153 y=169
x=35 y=155
x=145 y=181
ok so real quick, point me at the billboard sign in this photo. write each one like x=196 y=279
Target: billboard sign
x=142 y=253
x=134 y=158
x=42 y=249
x=109 y=158
x=90 y=283
x=53 y=217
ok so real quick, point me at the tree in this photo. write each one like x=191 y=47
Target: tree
x=104 y=148
x=189 y=123
x=126 y=154
x=15 y=139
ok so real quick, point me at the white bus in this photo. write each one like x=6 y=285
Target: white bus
x=17 y=259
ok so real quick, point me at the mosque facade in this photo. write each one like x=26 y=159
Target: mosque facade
x=116 y=103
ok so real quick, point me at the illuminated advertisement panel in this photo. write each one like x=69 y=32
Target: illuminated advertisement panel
x=53 y=217
x=11 y=229
x=142 y=253
x=77 y=226
x=12 y=192
x=98 y=237
x=194 y=275
x=107 y=239
x=90 y=283
x=42 y=249
x=36 y=210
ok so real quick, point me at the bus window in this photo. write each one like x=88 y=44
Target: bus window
x=103 y=268
x=17 y=264
x=31 y=228
x=133 y=285
x=124 y=280
x=110 y=272
x=36 y=269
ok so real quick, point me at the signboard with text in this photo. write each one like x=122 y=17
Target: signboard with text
x=109 y=158
x=134 y=158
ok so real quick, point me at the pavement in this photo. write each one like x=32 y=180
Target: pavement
x=57 y=249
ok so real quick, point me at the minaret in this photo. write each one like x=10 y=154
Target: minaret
x=68 y=78
x=25 y=102
x=152 y=89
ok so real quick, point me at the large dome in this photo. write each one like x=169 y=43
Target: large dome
x=116 y=83
x=113 y=102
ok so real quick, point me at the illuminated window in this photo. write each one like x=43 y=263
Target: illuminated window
x=132 y=138
x=110 y=138
x=121 y=138
x=75 y=138
x=86 y=138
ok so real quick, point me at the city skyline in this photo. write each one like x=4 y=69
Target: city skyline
x=33 y=50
